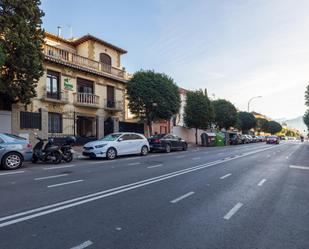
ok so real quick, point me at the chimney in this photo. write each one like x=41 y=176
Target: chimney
x=59 y=31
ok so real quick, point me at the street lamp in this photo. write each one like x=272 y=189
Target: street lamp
x=256 y=97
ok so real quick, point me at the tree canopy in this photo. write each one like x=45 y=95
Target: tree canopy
x=198 y=111
x=225 y=113
x=245 y=121
x=261 y=124
x=306 y=119
x=273 y=127
x=307 y=96
x=153 y=96
x=21 y=42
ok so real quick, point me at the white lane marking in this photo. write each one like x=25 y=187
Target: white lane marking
x=131 y=158
x=233 y=211
x=225 y=176
x=299 y=167
x=11 y=173
x=181 y=156
x=287 y=157
x=83 y=245
x=64 y=183
x=49 y=177
x=261 y=182
x=99 y=162
x=131 y=164
x=196 y=158
x=155 y=166
x=60 y=167
x=52 y=208
x=182 y=197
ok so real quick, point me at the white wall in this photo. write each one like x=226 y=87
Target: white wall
x=187 y=134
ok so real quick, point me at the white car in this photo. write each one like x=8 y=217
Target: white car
x=117 y=144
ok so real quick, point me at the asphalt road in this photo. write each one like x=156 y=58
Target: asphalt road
x=247 y=196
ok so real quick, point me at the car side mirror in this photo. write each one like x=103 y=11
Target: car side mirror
x=120 y=139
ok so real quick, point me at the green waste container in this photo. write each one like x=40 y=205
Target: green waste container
x=220 y=139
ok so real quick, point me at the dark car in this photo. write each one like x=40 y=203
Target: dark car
x=167 y=143
x=272 y=140
x=235 y=138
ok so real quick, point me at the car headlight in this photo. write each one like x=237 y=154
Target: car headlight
x=100 y=146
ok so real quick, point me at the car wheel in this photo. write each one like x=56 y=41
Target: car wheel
x=144 y=150
x=111 y=154
x=167 y=148
x=184 y=147
x=12 y=160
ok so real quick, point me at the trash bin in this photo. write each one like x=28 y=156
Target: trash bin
x=220 y=139
x=208 y=139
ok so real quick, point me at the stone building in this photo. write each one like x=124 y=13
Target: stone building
x=81 y=93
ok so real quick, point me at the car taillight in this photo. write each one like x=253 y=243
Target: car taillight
x=157 y=141
x=29 y=146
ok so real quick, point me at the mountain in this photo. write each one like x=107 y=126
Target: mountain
x=296 y=123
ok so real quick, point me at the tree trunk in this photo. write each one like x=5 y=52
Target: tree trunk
x=196 y=136
x=149 y=124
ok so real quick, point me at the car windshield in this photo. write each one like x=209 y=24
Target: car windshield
x=111 y=137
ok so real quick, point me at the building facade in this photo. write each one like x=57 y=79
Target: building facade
x=81 y=93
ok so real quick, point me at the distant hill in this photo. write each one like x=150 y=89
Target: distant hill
x=296 y=123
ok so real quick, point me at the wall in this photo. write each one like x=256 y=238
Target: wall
x=187 y=134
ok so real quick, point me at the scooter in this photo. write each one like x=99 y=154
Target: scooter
x=66 y=149
x=49 y=154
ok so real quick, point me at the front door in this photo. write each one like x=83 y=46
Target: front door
x=124 y=146
x=85 y=126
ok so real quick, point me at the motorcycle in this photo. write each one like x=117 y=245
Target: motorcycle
x=50 y=153
x=66 y=149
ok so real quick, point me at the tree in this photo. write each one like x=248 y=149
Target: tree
x=198 y=111
x=273 y=127
x=261 y=124
x=153 y=96
x=307 y=96
x=21 y=41
x=246 y=121
x=225 y=113
x=306 y=119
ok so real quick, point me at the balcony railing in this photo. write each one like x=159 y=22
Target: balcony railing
x=56 y=96
x=86 y=99
x=82 y=61
x=113 y=105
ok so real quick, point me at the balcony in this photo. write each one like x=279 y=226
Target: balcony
x=86 y=99
x=58 y=97
x=81 y=62
x=113 y=105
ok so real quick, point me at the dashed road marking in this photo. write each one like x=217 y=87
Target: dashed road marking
x=225 y=176
x=131 y=164
x=261 y=182
x=49 y=177
x=196 y=158
x=233 y=211
x=155 y=166
x=299 y=167
x=182 y=197
x=83 y=245
x=11 y=173
x=60 y=167
x=64 y=183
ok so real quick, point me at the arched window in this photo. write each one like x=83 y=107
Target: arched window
x=106 y=61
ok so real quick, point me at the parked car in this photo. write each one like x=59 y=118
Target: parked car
x=272 y=140
x=14 y=150
x=167 y=143
x=117 y=144
x=235 y=138
x=245 y=139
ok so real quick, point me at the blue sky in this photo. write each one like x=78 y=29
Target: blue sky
x=236 y=49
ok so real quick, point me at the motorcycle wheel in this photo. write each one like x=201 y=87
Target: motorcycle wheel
x=34 y=159
x=68 y=157
x=57 y=157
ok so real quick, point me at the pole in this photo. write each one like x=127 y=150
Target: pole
x=256 y=97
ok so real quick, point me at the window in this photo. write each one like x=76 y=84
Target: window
x=126 y=137
x=53 y=85
x=106 y=61
x=54 y=122
x=30 y=120
x=84 y=86
x=135 y=137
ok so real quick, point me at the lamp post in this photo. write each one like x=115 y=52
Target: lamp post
x=256 y=97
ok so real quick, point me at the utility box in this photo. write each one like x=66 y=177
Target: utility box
x=220 y=139
x=208 y=139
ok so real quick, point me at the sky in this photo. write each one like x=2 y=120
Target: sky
x=237 y=49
